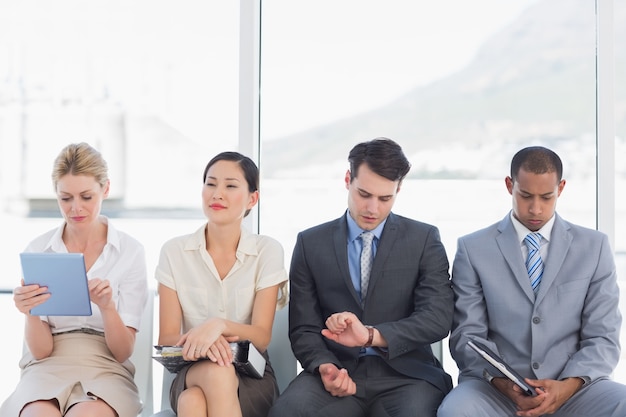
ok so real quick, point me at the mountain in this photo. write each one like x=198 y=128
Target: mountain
x=533 y=82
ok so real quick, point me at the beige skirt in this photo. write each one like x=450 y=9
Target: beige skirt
x=80 y=368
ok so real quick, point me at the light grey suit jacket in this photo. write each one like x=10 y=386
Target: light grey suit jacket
x=572 y=327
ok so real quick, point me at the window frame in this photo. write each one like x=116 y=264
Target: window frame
x=250 y=104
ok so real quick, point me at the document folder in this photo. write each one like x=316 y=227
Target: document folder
x=246 y=358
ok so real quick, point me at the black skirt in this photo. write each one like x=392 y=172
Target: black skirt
x=256 y=396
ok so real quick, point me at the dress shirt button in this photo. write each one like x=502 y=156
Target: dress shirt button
x=535 y=365
x=536 y=320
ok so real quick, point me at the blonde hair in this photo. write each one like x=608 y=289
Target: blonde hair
x=80 y=159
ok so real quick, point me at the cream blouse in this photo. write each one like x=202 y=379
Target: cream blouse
x=186 y=267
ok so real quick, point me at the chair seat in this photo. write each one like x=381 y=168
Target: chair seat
x=164 y=413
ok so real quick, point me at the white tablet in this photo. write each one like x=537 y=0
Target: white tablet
x=66 y=278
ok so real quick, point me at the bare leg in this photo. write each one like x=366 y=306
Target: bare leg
x=192 y=403
x=43 y=408
x=217 y=384
x=96 y=408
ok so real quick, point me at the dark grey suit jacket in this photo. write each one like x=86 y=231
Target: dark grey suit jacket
x=409 y=300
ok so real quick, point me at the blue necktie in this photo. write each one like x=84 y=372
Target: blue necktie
x=366 y=261
x=534 y=263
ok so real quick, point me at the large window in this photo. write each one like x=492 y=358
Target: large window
x=155 y=85
x=460 y=89
x=152 y=84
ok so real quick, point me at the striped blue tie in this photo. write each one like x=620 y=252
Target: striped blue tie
x=534 y=263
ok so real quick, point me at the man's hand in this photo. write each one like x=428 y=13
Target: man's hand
x=551 y=394
x=554 y=393
x=515 y=393
x=346 y=329
x=336 y=381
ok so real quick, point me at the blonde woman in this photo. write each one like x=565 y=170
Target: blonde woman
x=78 y=366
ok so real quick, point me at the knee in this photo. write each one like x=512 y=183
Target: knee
x=213 y=378
x=39 y=408
x=190 y=401
x=286 y=406
x=453 y=406
x=221 y=379
x=98 y=408
x=447 y=410
x=471 y=399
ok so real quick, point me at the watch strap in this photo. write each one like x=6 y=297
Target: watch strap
x=370 y=336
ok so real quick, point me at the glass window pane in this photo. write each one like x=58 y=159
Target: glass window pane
x=620 y=157
x=151 y=83
x=461 y=92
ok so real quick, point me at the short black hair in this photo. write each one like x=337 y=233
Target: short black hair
x=383 y=156
x=537 y=160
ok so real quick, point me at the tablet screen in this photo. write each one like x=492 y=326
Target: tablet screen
x=66 y=278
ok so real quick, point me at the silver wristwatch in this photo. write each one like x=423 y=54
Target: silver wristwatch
x=488 y=377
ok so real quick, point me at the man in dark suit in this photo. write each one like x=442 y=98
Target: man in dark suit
x=365 y=346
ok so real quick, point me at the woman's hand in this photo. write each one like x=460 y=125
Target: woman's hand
x=208 y=341
x=28 y=296
x=219 y=352
x=100 y=293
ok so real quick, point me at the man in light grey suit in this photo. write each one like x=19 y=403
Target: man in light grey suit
x=562 y=335
x=368 y=354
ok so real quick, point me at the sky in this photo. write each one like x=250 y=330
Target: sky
x=321 y=60
x=328 y=59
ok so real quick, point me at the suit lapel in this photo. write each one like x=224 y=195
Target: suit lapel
x=385 y=245
x=512 y=253
x=560 y=241
x=341 y=252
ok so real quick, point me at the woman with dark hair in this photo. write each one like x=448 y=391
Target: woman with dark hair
x=218 y=285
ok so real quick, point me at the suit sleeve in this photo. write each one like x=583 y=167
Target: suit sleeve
x=428 y=315
x=601 y=321
x=305 y=315
x=470 y=314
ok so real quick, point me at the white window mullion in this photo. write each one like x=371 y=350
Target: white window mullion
x=249 y=75
x=605 y=120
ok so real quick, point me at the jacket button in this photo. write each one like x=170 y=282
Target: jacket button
x=535 y=365
x=536 y=320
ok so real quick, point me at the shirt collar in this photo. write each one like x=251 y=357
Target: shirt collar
x=522 y=231
x=246 y=246
x=56 y=244
x=354 y=231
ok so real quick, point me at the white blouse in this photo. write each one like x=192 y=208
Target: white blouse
x=122 y=262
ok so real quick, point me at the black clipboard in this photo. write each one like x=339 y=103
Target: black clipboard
x=66 y=278
x=490 y=356
x=246 y=358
